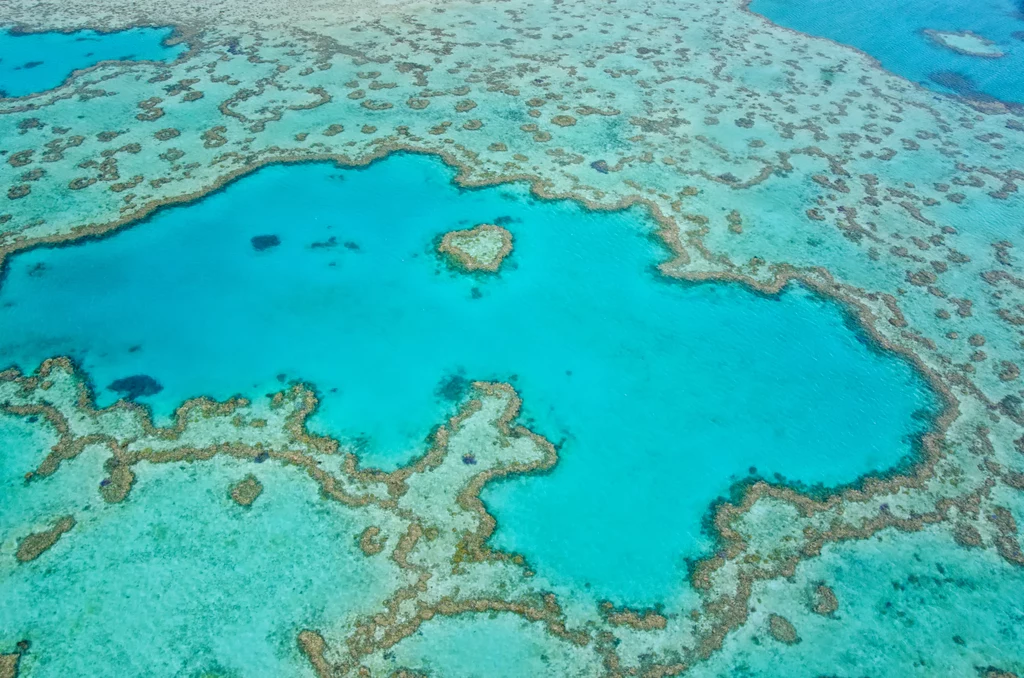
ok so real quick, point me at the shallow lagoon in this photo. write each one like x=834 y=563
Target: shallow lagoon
x=36 y=62
x=897 y=40
x=661 y=394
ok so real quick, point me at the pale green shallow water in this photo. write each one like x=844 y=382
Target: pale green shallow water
x=178 y=580
x=909 y=605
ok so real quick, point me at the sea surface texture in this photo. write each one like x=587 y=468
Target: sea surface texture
x=589 y=338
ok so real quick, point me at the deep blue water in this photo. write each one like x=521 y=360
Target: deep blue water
x=892 y=33
x=660 y=394
x=36 y=62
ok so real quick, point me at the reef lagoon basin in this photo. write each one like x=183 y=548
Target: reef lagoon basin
x=445 y=339
x=660 y=394
x=37 y=61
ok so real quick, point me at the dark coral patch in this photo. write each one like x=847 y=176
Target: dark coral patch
x=265 y=242
x=961 y=84
x=453 y=388
x=324 y=244
x=136 y=386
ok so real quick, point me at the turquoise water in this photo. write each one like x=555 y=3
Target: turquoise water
x=894 y=36
x=36 y=62
x=661 y=395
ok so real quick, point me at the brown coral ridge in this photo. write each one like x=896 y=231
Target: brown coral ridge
x=471 y=546
x=246 y=490
x=458 y=247
x=313 y=646
x=993 y=672
x=302 y=399
x=9 y=665
x=824 y=600
x=381 y=631
x=938 y=39
x=782 y=630
x=641 y=620
x=37 y=543
x=370 y=543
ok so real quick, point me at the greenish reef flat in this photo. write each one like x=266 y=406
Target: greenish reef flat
x=743 y=398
